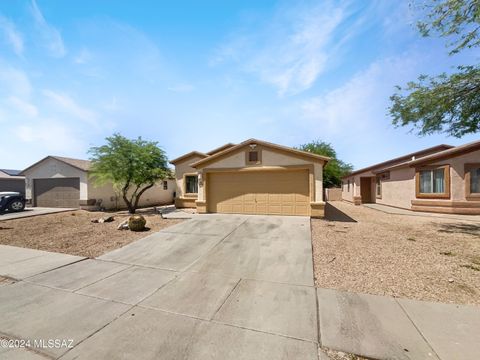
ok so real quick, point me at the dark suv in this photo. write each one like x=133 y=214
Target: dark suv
x=11 y=201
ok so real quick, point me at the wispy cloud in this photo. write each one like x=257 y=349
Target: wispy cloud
x=52 y=136
x=83 y=57
x=360 y=104
x=65 y=103
x=12 y=35
x=22 y=106
x=295 y=46
x=181 y=88
x=50 y=35
x=14 y=81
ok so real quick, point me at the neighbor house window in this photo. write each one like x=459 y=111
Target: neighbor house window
x=165 y=185
x=433 y=182
x=472 y=180
x=191 y=184
x=379 y=187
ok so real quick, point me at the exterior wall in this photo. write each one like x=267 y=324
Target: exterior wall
x=399 y=190
x=333 y=194
x=354 y=195
x=182 y=168
x=52 y=168
x=110 y=200
x=458 y=202
x=457 y=173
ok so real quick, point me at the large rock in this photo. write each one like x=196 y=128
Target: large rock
x=136 y=223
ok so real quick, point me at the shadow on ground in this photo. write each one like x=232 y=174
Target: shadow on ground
x=334 y=214
x=451 y=228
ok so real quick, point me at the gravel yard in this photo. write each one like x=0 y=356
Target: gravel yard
x=73 y=232
x=425 y=258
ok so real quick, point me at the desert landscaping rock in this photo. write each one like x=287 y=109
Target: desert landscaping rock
x=194 y=294
x=78 y=275
x=274 y=308
x=129 y=286
x=36 y=312
x=452 y=330
x=368 y=325
x=150 y=334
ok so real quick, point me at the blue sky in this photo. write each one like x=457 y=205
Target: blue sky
x=194 y=75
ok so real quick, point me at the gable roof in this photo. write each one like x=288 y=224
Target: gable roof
x=221 y=148
x=452 y=152
x=11 y=172
x=402 y=160
x=83 y=165
x=295 y=152
x=188 y=155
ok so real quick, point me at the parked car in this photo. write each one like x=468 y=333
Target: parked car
x=11 y=201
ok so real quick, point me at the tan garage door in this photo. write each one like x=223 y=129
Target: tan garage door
x=259 y=192
x=59 y=192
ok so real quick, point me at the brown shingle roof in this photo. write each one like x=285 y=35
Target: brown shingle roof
x=78 y=163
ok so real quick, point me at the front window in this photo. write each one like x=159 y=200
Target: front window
x=379 y=187
x=165 y=185
x=432 y=181
x=475 y=180
x=191 y=184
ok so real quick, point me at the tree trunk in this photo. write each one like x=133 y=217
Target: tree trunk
x=137 y=198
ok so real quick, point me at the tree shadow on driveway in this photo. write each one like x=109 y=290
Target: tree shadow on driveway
x=452 y=228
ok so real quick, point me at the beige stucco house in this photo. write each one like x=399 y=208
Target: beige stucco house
x=253 y=177
x=442 y=179
x=57 y=181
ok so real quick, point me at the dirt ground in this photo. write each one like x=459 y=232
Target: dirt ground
x=73 y=232
x=425 y=258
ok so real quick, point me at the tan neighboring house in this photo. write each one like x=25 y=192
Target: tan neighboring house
x=11 y=180
x=58 y=181
x=253 y=177
x=442 y=179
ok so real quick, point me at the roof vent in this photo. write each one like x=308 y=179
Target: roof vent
x=413 y=158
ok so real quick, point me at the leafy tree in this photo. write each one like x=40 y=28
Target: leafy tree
x=132 y=166
x=448 y=103
x=335 y=169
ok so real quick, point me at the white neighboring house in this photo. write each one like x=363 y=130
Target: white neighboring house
x=58 y=181
x=10 y=180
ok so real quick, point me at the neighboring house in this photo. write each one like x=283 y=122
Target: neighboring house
x=10 y=180
x=64 y=182
x=442 y=179
x=253 y=177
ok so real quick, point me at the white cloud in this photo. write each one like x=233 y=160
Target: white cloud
x=12 y=36
x=22 y=106
x=361 y=103
x=65 y=103
x=83 y=57
x=181 y=88
x=294 y=48
x=50 y=35
x=14 y=81
x=51 y=136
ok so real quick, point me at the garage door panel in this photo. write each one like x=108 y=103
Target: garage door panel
x=58 y=192
x=259 y=192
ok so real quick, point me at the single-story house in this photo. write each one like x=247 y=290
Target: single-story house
x=253 y=177
x=444 y=179
x=11 y=180
x=58 y=181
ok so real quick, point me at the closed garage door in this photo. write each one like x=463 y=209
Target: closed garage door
x=59 y=192
x=12 y=185
x=259 y=192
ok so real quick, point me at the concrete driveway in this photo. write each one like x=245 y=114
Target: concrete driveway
x=213 y=287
